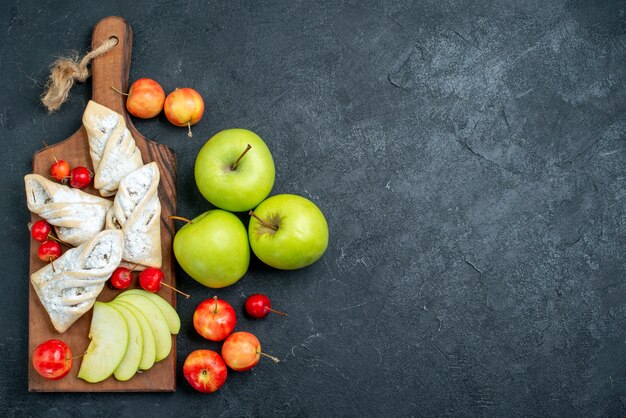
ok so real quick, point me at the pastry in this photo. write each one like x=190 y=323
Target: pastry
x=137 y=212
x=76 y=215
x=68 y=287
x=112 y=148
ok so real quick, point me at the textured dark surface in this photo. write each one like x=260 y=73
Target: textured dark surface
x=469 y=159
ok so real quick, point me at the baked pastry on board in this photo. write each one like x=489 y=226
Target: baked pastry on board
x=69 y=286
x=137 y=212
x=113 y=150
x=77 y=216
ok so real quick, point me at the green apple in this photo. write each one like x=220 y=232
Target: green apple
x=109 y=340
x=148 y=355
x=235 y=170
x=130 y=363
x=162 y=337
x=170 y=314
x=288 y=232
x=213 y=248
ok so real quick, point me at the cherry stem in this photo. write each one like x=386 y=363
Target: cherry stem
x=52 y=237
x=277 y=312
x=268 y=356
x=116 y=90
x=262 y=222
x=78 y=355
x=48 y=146
x=134 y=267
x=180 y=218
x=176 y=290
x=234 y=166
x=189 y=133
x=52 y=264
x=215 y=299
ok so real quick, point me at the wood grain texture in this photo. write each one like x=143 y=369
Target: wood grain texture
x=108 y=70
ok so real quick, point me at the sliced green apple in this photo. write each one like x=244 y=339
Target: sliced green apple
x=109 y=340
x=148 y=355
x=170 y=314
x=162 y=337
x=130 y=363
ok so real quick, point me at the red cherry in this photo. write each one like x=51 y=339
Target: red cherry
x=49 y=251
x=121 y=278
x=40 y=230
x=60 y=169
x=151 y=279
x=80 y=177
x=52 y=359
x=259 y=306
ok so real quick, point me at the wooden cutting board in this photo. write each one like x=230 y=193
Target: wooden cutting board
x=108 y=70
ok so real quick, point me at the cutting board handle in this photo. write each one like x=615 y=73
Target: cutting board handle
x=111 y=69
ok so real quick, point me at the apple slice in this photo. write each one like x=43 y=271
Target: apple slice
x=148 y=355
x=170 y=314
x=130 y=363
x=109 y=340
x=162 y=337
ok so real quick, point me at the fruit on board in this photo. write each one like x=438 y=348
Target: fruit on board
x=151 y=279
x=123 y=341
x=157 y=321
x=288 y=232
x=184 y=107
x=49 y=251
x=130 y=363
x=121 y=278
x=214 y=319
x=109 y=341
x=170 y=314
x=205 y=370
x=242 y=350
x=145 y=98
x=60 y=169
x=213 y=248
x=259 y=306
x=40 y=230
x=80 y=177
x=234 y=170
x=52 y=359
x=148 y=353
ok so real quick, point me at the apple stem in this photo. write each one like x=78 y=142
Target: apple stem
x=176 y=290
x=189 y=133
x=180 y=218
x=265 y=224
x=234 y=166
x=116 y=90
x=277 y=312
x=268 y=356
x=215 y=299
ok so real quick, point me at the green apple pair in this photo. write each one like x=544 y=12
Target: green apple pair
x=235 y=172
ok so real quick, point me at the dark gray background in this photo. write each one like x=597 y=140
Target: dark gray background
x=469 y=159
